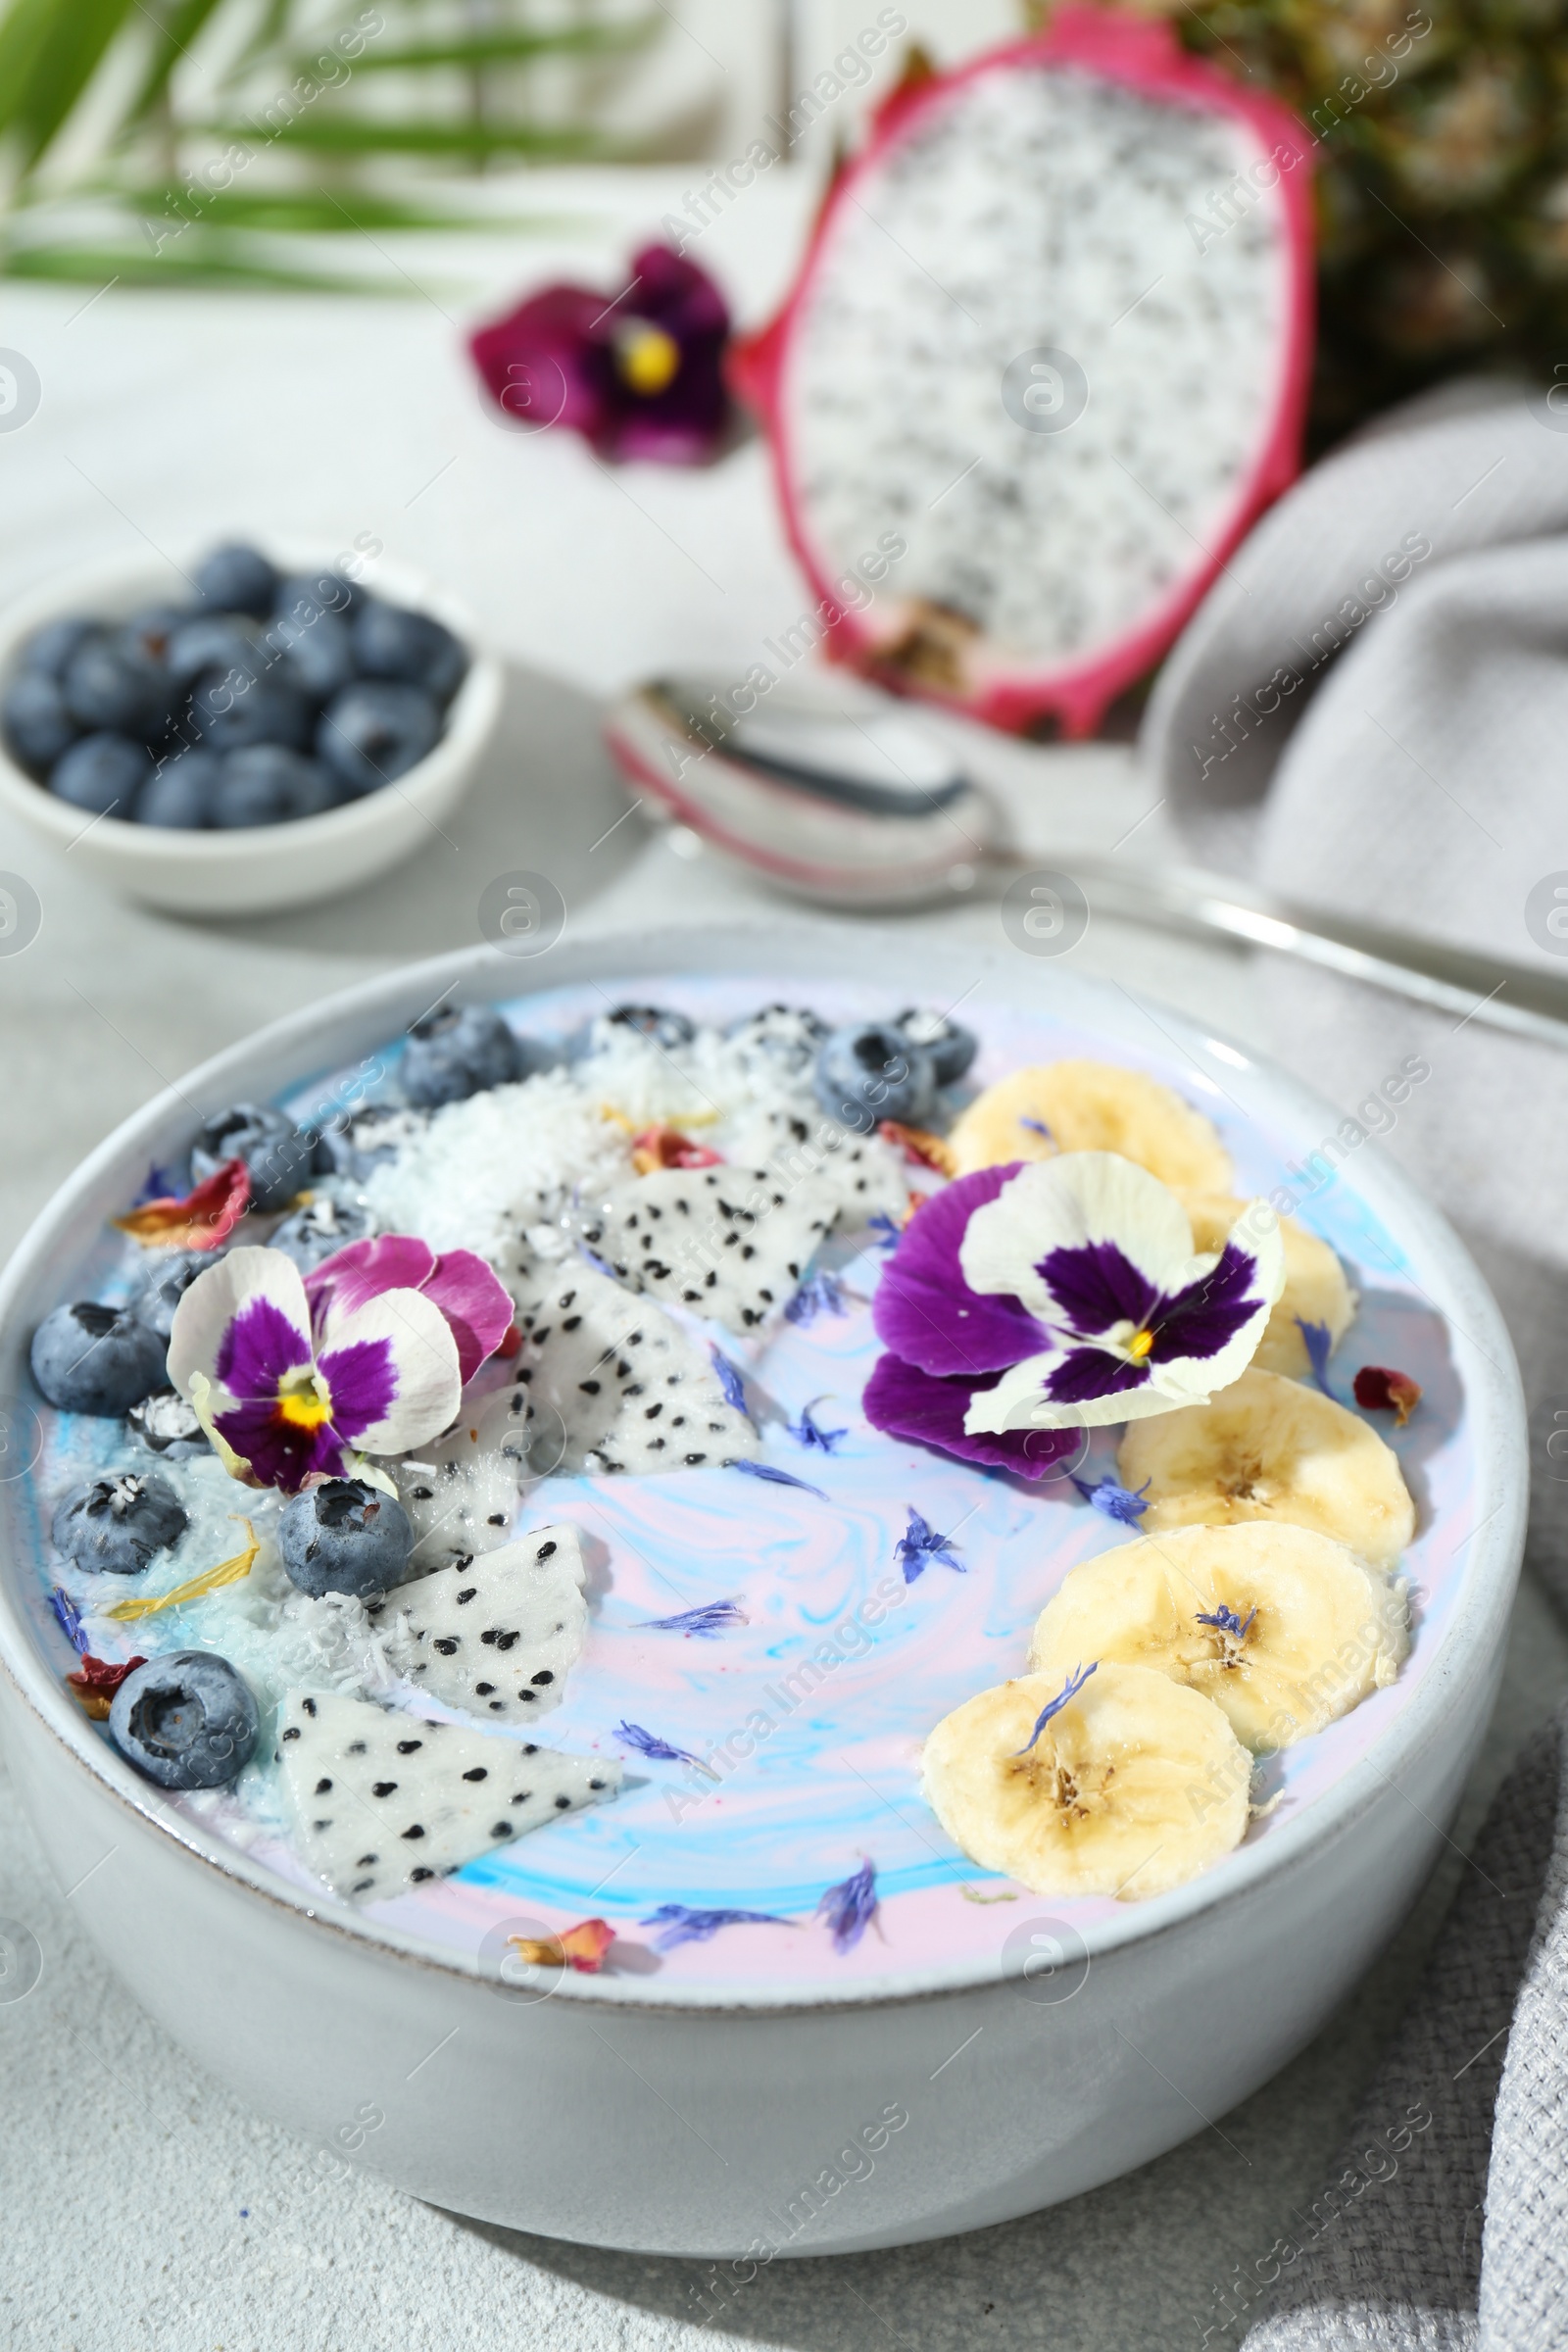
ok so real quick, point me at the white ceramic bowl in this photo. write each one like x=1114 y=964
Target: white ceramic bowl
x=264 y=867
x=685 y=2117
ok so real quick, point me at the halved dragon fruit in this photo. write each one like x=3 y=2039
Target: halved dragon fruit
x=617 y=1381
x=379 y=1802
x=1046 y=360
x=498 y=1636
x=729 y=1242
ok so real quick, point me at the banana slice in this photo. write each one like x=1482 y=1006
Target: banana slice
x=1267 y=1448
x=1090 y=1106
x=1315 y=1288
x=1282 y=1628
x=1133 y=1785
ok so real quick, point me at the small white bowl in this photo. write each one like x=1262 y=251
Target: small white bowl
x=262 y=866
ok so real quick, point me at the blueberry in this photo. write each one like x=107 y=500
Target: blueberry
x=231 y=710
x=951 y=1046
x=109 y=685
x=271 y=1146
x=180 y=794
x=219 y=641
x=51 y=648
x=237 y=580
x=186 y=1720
x=166 y=1423
x=120 y=1522
x=329 y=1223
x=376 y=730
x=392 y=644
x=96 y=1359
x=100 y=774
x=306 y=593
x=454 y=1054
x=353 y=1144
x=266 y=785
x=870 y=1071
x=666 y=1027
x=344 y=1537
x=168 y=1278
x=34 y=722
x=145 y=637
x=318 y=654
x=790 y=1035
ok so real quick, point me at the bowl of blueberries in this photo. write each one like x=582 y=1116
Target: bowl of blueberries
x=255 y=732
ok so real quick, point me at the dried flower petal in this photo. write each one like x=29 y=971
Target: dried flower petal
x=95 y=1685
x=919 y=1146
x=668 y=1148
x=228 y=1572
x=683 y=1925
x=1054 y=1706
x=1378 y=1390
x=1318 y=1340
x=649 y=1745
x=582 y=1947
x=69 y=1618
x=850 y=1907
x=202 y=1220
x=1117 y=1501
x=776 y=1478
x=708 y=1618
x=920 y=1544
x=808 y=1432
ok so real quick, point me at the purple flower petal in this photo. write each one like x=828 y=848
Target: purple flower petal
x=709 y=1617
x=1126 y=1506
x=850 y=1907
x=1199 y=1320
x=925 y=1311
x=1054 y=1706
x=660 y=1751
x=69 y=1618
x=1096 y=1285
x=392 y=1368
x=475 y=1304
x=1084 y=1373
x=279 y=1453
x=259 y=1350
x=904 y=1402
x=362 y=1381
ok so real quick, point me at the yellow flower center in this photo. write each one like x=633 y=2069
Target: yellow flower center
x=646 y=357
x=1140 y=1343
x=304 y=1399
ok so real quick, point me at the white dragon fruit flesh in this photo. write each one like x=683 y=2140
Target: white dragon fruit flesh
x=379 y=1802
x=613 y=1383
x=1046 y=360
x=461 y=1490
x=498 y=1636
x=731 y=1244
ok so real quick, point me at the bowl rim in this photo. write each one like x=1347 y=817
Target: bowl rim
x=1483 y=1352
x=468 y=721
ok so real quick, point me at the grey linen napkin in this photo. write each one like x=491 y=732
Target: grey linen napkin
x=1370 y=712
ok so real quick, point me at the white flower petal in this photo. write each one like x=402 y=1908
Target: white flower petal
x=1070 y=1201
x=427 y=1386
x=208 y=1308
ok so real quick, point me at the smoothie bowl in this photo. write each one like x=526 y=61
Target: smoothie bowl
x=688 y=1544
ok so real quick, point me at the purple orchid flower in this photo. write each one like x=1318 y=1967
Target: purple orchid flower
x=682 y=1924
x=288 y=1385
x=1026 y=1301
x=638 y=373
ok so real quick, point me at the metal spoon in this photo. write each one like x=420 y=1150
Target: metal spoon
x=842 y=798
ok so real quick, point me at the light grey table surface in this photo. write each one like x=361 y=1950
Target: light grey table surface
x=141 y=2210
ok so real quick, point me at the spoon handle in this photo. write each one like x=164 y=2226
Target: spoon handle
x=1476 y=987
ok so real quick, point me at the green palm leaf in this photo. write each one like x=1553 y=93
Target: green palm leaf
x=511 y=48
x=61 y=54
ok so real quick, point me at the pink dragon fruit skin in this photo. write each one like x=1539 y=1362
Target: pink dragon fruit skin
x=1069 y=694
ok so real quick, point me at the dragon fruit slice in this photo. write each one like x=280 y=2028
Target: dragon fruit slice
x=461 y=1490
x=732 y=1243
x=861 y=1175
x=381 y=1801
x=498 y=1636
x=619 y=1381
x=1046 y=360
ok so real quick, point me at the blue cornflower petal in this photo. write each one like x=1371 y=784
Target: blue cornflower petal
x=730 y=1378
x=777 y=1478
x=1054 y=1706
x=1117 y=1501
x=1037 y=1126
x=648 y=1743
x=807 y=1431
x=850 y=1907
x=887 y=1233
x=68 y=1617
x=1226 y=1621
x=919 y=1544
x=599 y=1265
x=683 y=1925
x=822 y=1295
x=1318 y=1340
x=710 y=1617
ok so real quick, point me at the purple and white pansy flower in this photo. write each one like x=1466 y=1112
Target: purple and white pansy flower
x=1028 y=1301
x=293 y=1379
